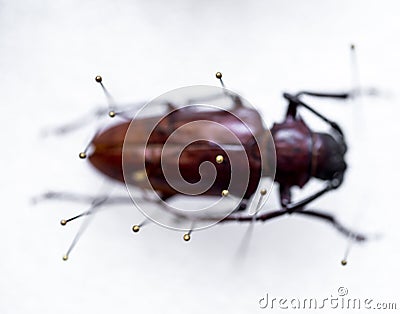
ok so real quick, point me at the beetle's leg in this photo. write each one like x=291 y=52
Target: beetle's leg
x=124 y=112
x=326 y=95
x=329 y=218
x=245 y=202
x=237 y=102
x=299 y=205
x=161 y=196
x=356 y=91
x=74 y=125
x=76 y=197
x=277 y=213
x=165 y=196
x=242 y=206
x=295 y=102
x=285 y=195
x=290 y=207
x=249 y=218
x=295 y=99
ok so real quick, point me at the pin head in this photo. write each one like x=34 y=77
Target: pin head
x=112 y=114
x=186 y=237
x=219 y=159
x=63 y=222
x=98 y=79
x=135 y=228
x=263 y=191
x=82 y=155
x=218 y=75
x=344 y=262
x=225 y=193
x=139 y=175
x=65 y=257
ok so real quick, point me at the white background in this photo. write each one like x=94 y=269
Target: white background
x=50 y=52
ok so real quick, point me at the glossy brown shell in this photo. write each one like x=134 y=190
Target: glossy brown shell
x=245 y=123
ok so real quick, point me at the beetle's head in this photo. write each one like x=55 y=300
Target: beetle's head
x=328 y=157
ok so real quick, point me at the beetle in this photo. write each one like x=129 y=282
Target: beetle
x=296 y=151
x=301 y=153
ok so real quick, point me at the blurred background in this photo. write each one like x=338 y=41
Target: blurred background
x=50 y=52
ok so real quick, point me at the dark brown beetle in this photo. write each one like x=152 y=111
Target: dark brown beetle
x=107 y=150
x=301 y=154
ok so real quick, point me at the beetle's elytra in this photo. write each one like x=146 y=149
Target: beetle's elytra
x=106 y=155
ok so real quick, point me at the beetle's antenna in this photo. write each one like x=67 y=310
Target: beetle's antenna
x=136 y=228
x=110 y=99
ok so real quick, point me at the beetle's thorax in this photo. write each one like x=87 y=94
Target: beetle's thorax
x=303 y=154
